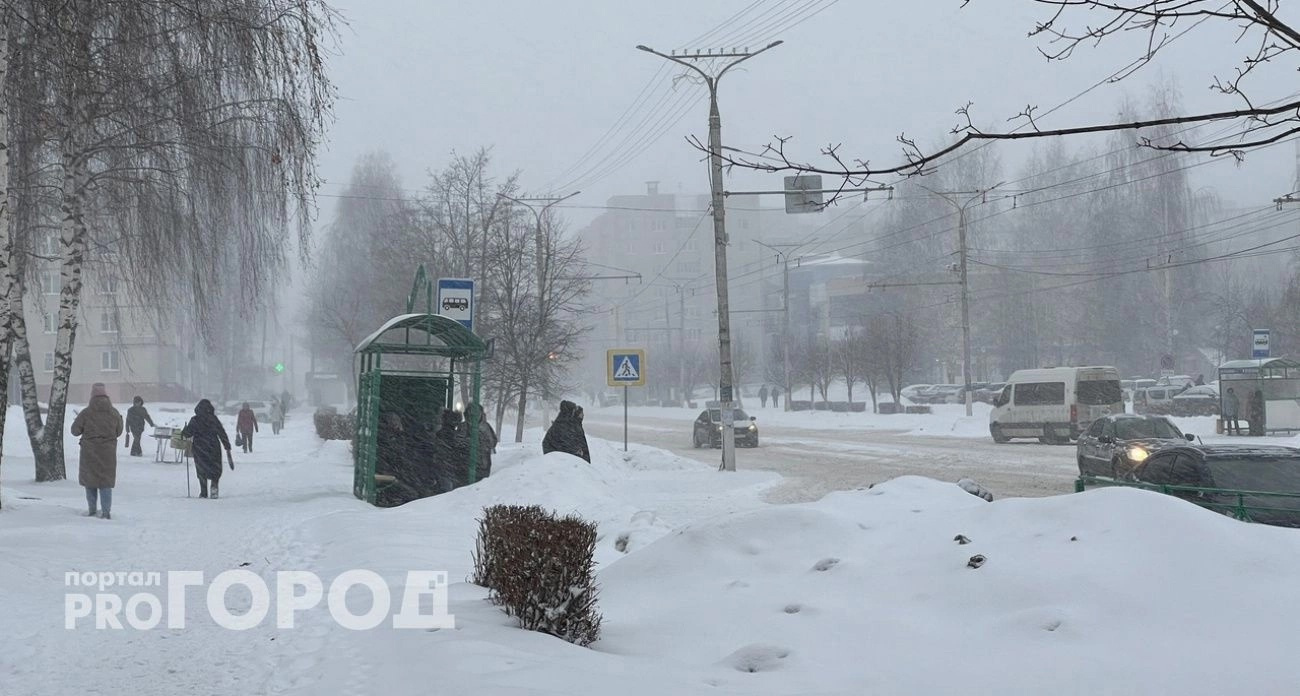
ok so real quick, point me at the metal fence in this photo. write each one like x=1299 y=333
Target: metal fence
x=1265 y=507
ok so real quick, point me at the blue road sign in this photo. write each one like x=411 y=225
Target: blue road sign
x=456 y=300
x=1259 y=347
x=626 y=367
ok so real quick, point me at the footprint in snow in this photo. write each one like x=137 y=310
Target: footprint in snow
x=758 y=657
x=826 y=564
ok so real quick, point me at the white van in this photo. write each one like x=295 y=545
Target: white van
x=1054 y=404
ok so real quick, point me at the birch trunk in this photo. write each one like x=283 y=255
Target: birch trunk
x=6 y=237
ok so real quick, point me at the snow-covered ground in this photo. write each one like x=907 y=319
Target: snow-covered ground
x=707 y=588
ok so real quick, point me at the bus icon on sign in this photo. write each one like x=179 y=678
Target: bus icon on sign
x=450 y=303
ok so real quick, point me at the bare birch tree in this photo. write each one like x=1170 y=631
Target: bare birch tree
x=182 y=136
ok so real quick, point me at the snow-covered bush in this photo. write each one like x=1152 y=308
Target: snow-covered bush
x=540 y=569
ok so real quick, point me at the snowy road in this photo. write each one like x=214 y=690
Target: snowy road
x=817 y=462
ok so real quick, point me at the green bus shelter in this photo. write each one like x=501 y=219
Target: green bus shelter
x=410 y=366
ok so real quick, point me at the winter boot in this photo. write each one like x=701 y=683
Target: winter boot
x=214 y=489
x=105 y=516
x=203 y=487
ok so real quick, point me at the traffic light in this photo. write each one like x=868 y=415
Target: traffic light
x=279 y=368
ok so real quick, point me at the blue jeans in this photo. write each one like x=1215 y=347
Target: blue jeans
x=105 y=499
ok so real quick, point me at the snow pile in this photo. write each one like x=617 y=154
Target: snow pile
x=862 y=592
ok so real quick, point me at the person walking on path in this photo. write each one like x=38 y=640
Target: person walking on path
x=566 y=434
x=208 y=438
x=277 y=416
x=776 y=397
x=246 y=426
x=98 y=425
x=136 y=417
x=762 y=395
x=1231 y=413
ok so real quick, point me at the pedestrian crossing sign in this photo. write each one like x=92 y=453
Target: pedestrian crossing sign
x=626 y=367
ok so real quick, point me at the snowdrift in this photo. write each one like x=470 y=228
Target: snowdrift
x=1111 y=591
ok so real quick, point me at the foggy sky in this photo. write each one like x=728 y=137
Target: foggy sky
x=540 y=82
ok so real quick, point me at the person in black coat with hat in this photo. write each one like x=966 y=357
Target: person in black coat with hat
x=566 y=434
x=451 y=452
x=208 y=438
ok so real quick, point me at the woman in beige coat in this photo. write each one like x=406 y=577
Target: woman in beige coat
x=98 y=425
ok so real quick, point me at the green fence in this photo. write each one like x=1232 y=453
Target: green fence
x=1266 y=507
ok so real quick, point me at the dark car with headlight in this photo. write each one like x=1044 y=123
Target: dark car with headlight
x=708 y=429
x=1257 y=483
x=1112 y=446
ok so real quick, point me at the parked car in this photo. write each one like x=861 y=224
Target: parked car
x=707 y=430
x=911 y=392
x=1112 y=446
x=989 y=392
x=941 y=394
x=975 y=387
x=1054 y=405
x=1201 y=400
x=1258 y=482
x=1157 y=399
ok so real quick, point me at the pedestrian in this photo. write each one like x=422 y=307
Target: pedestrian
x=98 y=426
x=246 y=426
x=277 y=416
x=286 y=400
x=1231 y=412
x=776 y=397
x=136 y=417
x=565 y=434
x=451 y=452
x=487 y=441
x=1255 y=413
x=1200 y=380
x=207 y=438
x=762 y=395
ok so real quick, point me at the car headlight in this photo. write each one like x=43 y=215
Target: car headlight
x=1136 y=454
x=753 y=428
x=719 y=428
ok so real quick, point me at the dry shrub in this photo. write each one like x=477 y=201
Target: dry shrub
x=540 y=569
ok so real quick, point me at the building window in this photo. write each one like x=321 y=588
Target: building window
x=693 y=333
x=688 y=267
x=49 y=362
x=108 y=361
x=108 y=322
x=49 y=246
x=661 y=248
x=51 y=283
x=108 y=284
x=50 y=322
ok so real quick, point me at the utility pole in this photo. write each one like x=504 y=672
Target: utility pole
x=784 y=256
x=961 y=200
x=725 y=388
x=538 y=205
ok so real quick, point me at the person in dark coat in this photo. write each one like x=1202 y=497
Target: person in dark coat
x=1231 y=413
x=1255 y=413
x=208 y=438
x=776 y=397
x=246 y=426
x=762 y=395
x=565 y=433
x=136 y=417
x=396 y=458
x=487 y=440
x=451 y=452
x=98 y=425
